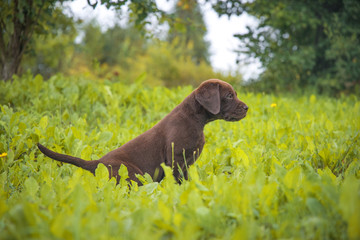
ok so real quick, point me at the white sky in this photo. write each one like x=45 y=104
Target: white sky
x=220 y=32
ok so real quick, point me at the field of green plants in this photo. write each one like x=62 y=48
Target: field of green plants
x=289 y=170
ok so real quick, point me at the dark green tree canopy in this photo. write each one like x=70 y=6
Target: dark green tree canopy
x=302 y=43
x=19 y=21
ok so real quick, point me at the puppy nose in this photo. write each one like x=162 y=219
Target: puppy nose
x=245 y=107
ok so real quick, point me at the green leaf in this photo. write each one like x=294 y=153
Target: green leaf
x=38 y=83
x=31 y=186
x=169 y=177
x=329 y=126
x=10 y=155
x=101 y=175
x=86 y=152
x=315 y=207
x=124 y=175
x=105 y=137
x=202 y=211
x=22 y=127
x=44 y=122
x=311 y=145
x=102 y=172
x=242 y=155
x=292 y=178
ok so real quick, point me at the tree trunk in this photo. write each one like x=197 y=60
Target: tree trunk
x=12 y=46
x=9 y=65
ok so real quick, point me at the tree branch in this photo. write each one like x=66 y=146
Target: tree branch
x=92 y=5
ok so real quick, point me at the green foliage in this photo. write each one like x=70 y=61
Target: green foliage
x=113 y=46
x=290 y=169
x=51 y=52
x=187 y=27
x=166 y=64
x=122 y=53
x=125 y=53
x=139 y=10
x=21 y=20
x=303 y=44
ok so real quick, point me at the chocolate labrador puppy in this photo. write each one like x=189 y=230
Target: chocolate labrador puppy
x=177 y=140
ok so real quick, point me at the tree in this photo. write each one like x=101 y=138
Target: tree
x=113 y=46
x=302 y=43
x=21 y=19
x=188 y=28
x=53 y=52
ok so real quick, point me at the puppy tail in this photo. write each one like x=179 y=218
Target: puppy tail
x=87 y=165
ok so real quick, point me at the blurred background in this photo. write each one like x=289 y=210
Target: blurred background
x=267 y=46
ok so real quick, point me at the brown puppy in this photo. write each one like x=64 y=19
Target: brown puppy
x=177 y=140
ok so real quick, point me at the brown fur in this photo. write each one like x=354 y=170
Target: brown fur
x=183 y=126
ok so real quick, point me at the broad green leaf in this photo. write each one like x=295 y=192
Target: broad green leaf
x=311 y=145
x=47 y=194
x=65 y=115
x=86 y=152
x=105 y=137
x=327 y=173
x=202 y=211
x=38 y=83
x=10 y=155
x=44 y=122
x=292 y=178
x=22 y=127
x=102 y=175
x=75 y=178
x=50 y=131
x=324 y=154
x=31 y=186
x=194 y=174
x=169 y=177
x=108 y=91
x=242 y=155
x=101 y=172
x=124 y=175
x=315 y=207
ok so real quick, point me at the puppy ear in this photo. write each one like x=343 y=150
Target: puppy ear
x=209 y=97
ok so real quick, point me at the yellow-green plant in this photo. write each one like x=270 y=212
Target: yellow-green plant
x=290 y=169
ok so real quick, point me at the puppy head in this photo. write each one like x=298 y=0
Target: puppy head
x=220 y=99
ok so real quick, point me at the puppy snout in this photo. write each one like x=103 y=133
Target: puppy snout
x=245 y=107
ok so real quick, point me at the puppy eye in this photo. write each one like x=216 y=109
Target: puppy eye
x=230 y=96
